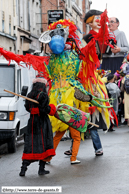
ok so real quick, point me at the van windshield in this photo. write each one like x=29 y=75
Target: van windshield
x=7 y=80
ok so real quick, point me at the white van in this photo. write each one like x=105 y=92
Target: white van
x=13 y=115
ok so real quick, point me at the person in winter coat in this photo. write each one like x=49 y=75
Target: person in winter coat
x=121 y=105
x=39 y=136
x=114 y=93
x=125 y=88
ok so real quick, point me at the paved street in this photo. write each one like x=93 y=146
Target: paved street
x=107 y=174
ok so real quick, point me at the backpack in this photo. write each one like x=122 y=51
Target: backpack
x=126 y=85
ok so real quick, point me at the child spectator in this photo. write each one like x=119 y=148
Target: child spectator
x=113 y=93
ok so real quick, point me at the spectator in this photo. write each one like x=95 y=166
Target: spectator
x=126 y=94
x=114 y=60
x=121 y=105
x=116 y=77
x=113 y=93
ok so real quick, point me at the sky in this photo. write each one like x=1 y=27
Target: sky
x=115 y=8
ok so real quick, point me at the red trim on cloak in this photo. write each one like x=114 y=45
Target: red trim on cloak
x=35 y=111
x=32 y=132
x=36 y=156
x=42 y=139
x=53 y=109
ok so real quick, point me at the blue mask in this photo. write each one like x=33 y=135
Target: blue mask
x=57 y=44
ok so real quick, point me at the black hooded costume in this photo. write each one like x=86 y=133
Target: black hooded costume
x=39 y=135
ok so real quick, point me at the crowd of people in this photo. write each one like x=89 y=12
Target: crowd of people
x=117 y=62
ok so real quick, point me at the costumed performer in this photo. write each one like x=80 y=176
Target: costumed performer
x=39 y=137
x=96 y=85
x=62 y=67
x=92 y=18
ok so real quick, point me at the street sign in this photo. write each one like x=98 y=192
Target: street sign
x=55 y=15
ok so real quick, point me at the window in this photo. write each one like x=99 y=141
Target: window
x=3 y=18
x=10 y=29
x=9 y=19
x=19 y=81
x=3 y=15
x=68 y=3
x=10 y=24
x=2 y=25
x=7 y=81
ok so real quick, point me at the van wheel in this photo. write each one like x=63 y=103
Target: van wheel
x=12 y=144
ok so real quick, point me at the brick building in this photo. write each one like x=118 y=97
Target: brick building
x=73 y=9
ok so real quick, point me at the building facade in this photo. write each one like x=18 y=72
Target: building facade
x=20 y=25
x=73 y=9
x=28 y=26
x=7 y=18
x=23 y=21
x=47 y=5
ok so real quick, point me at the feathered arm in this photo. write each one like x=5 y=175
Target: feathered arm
x=39 y=63
x=90 y=58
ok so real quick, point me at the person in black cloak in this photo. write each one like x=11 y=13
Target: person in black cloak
x=39 y=136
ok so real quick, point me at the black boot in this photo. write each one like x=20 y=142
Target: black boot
x=25 y=163
x=23 y=170
x=42 y=170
